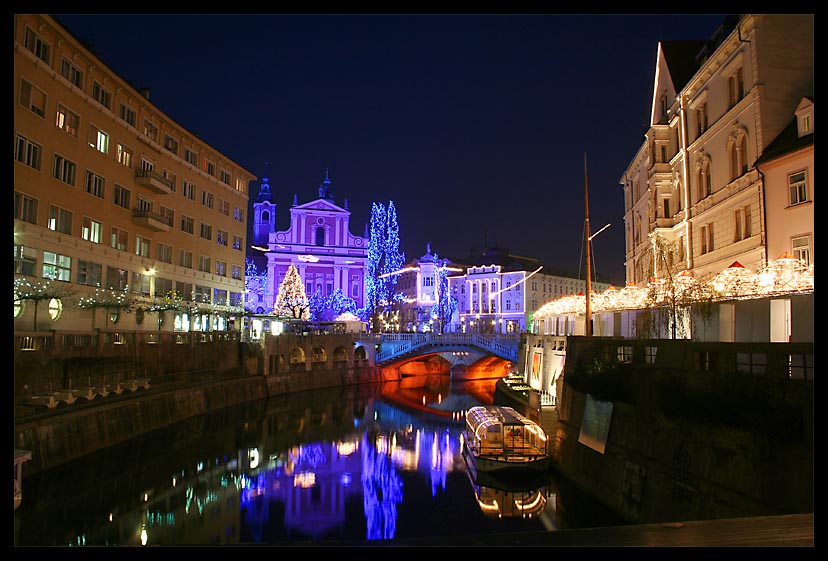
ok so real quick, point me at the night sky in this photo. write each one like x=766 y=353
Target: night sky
x=476 y=126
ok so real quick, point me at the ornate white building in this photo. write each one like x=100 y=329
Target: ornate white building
x=501 y=292
x=318 y=241
x=716 y=107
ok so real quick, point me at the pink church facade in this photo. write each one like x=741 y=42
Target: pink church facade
x=318 y=242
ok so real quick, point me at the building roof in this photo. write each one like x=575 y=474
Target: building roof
x=786 y=142
x=682 y=60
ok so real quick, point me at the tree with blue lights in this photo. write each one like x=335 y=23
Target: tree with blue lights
x=328 y=308
x=384 y=257
x=292 y=300
x=255 y=283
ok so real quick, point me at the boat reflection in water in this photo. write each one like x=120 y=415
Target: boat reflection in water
x=507 y=496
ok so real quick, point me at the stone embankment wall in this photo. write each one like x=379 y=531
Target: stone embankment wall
x=60 y=435
x=660 y=469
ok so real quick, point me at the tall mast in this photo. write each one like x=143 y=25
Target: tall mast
x=588 y=318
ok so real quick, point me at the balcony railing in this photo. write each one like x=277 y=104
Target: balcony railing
x=153 y=180
x=151 y=220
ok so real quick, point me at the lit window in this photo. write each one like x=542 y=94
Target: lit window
x=98 y=139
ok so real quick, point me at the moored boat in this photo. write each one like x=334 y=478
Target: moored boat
x=498 y=439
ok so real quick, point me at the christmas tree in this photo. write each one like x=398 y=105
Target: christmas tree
x=292 y=300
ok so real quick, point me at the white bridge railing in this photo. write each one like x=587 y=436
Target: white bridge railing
x=396 y=344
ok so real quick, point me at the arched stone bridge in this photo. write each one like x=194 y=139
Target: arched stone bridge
x=464 y=355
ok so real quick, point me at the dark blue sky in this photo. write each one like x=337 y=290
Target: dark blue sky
x=473 y=125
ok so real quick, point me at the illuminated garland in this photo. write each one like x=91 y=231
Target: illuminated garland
x=785 y=275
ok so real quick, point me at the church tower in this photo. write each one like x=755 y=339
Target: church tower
x=264 y=215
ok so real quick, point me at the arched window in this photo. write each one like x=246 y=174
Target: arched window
x=320 y=236
x=703 y=183
x=737 y=148
x=265 y=216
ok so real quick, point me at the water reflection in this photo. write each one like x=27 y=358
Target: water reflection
x=341 y=466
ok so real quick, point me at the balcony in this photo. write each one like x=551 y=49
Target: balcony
x=153 y=180
x=151 y=220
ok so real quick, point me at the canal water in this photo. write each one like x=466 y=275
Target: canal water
x=344 y=466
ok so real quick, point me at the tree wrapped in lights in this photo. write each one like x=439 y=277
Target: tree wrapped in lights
x=26 y=290
x=374 y=266
x=327 y=308
x=384 y=256
x=674 y=291
x=292 y=300
x=255 y=283
x=394 y=258
x=172 y=300
x=110 y=299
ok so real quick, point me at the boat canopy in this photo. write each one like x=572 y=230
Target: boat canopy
x=496 y=424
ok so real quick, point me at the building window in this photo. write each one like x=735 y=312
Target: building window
x=60 y=220
x=55 y=308
x=98 y=139
x=185 y=258
x=320 y=236
x=56 y=266
x=38 y=46
x=703 y=178
x=206 y=231
x=32 y=98
x=164 y=253
x=666 y=205
x=142 y=246
x=191 y=156
x=187 y=224
x=188 y=190
x=237 y=242
x=101 y=95
x=119 y=238
x=207 y=199
x=124 y=155
x=28 y=152
x=240 y=185
x=147 y=165
x=89 y=273
x=91 y=230
x=25 y=259
x=747 y=229
x=168 y=214
x=144 y=204
x=224 y=207
x=222 y=237
x=738 y=156
x=121 y=196
x=235 y=272
x=202 y=294
x=221 y=268
x=170 y=177
x=71 y=73
x=238 y=215
x=204 y=264
x=25 y=208
x=94 y=184
x=805 y=127
x=707 y=239
x=67 y=121
x=801 y=248
x=736 y=88
x=701 y=119
x=127 y=115
x=117 y=279
x=64 y=170
x=209 y=167
x=798 y=188
x=737 y=225
x=171 y=144
x=225 y=176
x=150 y=130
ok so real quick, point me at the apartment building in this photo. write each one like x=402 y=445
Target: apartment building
x=115 y=200
x=716 y=107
